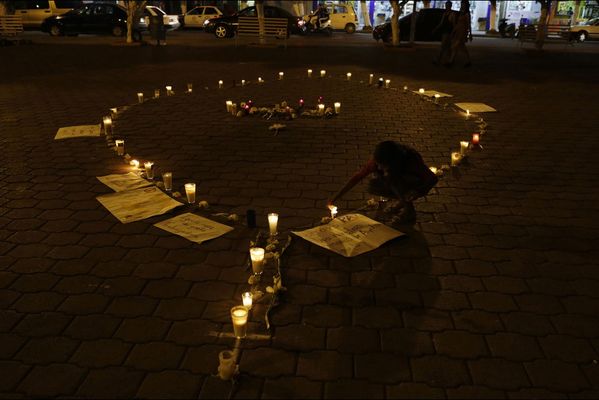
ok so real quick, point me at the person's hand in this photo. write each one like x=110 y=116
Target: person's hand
x=470 y=38
x=330 y=204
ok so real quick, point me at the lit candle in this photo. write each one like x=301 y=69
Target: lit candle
x=220 y=84
x=301 y=102
x=260 y=80
x=149 y=166
x=281 y=74
x=437 y=95
x=120 y=147
x=273 y=220
x=337 y=108
x=455 y=158
x=381 y=80
x=167 y=178
x=243 y=82
x=475 y=139
x=348 y=76
x=190 y=191
x=169 y=90
x=229 y=105
x=140 y=97
x=333 y=211
x=387 y=83
x=421 y=91
x=323 y=73
x=320 y=109
x=467 y=113
x=433 y=170
x=226 y=367
x=156 y=93
x=247 y=299
x=134 y=164
x=113 y=112
x=257 y=257
x=464 y=147
x=370 y=79
x=239 y=316
x=107 y=125
x=309 y=73
x=405 y=88
x=189 y=87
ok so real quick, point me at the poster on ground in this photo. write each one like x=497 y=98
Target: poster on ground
x=350 y=235
x=122 y=182
x=68 y=132
x=135 y=205
x=432 y=93
x=475 y=107
x=194 y=227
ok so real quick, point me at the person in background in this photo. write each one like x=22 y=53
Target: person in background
x=445 y=27
x=399 y=173
x=462 y=32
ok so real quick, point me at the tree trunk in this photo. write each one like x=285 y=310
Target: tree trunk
x=3 y=8
x=397 y=6
x=574 y=18
x=183 y=6
x=260 y=12
x=541 y=30
x=413 y=24
x=133 y=6
x=493 y=17
x=365 y=15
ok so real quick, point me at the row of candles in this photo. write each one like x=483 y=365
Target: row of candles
x=232 y=107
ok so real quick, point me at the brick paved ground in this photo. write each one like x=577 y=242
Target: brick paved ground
x=493 y=294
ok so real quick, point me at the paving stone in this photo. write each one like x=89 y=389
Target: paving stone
x=8 y=319
x=439 y=371
x=170 y=384
x=382 y=367
x=193 y=332
x=353 y=339
x=202 y=359
x=556 y=375
x=212 y=291
x=11 y=343
x=101 y=353
x=78 y=284
x=460 y=344
x=291 y=388
x=324 y=365
x=52 y=380
x=353 y=389
x=299 y=337
x=122 y=286
x=527 y=323
x=84 y=304
x=430 y=320
x=38 y=302
x=307 y=294
x=535 y=393
x=474 y=392
x=377 y=317
x=514 y=347
x=34 y=283
x=326 y=315
x=410 y=390
x=567 y=348
x=12 y=373
x=180 y=309
x=492 y=302
x=132 y=306
x=155 y=356
x=268 y=362
x=95 y=326
x=116 y=382
x=498 y=374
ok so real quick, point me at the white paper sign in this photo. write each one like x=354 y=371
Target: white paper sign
x=77 y=131
x=432 y=93
x=475 y=107
x=193 y=227
x=135 y=205
x=121 y=182
x=350 y=235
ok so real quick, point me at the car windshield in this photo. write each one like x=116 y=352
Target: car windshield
x=156 y=10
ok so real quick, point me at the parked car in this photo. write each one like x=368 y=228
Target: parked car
x=342 y=17
x=196 y=17
x=226 y=26
x=98 y=18
x=586 y=31
x=33 y=13
x=171 y=22
x=427 y=20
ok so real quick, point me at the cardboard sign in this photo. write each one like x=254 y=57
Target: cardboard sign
x=135 y=205
x=193 y=227
x=78 y=131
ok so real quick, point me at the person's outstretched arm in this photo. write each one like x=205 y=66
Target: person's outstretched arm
x=369 y=168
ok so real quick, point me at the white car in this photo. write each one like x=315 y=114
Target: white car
x=195 y=18
x=171 y=22
x=342 y=16
x=589 y=30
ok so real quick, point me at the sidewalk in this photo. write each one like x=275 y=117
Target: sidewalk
x=493 y=293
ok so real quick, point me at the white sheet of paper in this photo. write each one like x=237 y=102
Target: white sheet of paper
x=68 y=132
x=121 y=182
x=350 y=235
x=193 y=227
x=475 y=107
x=432 y=93
x=135 y=205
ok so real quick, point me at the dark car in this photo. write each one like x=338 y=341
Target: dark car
x=98 y=18
x=427 y=20
x=226 y=26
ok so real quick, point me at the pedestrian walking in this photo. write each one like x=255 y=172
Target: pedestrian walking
x=461 y=33
x=399 y=173
x=445 y=27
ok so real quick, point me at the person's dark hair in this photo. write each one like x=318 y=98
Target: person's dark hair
x=392 y=155
x=448 y=4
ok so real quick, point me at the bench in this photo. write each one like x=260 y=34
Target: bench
x=553 y=32
x=273 y=27
x=11 y=28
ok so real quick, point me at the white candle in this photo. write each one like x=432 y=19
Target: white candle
x=309 y=73
x=120 y=147
x=220 y=84
x=323 y=73
x=467 y=113
x=464 y=147
x=320 y=109
x=348 y=76
x=149 y=167
x=370 y=79
x=281 y=74
x=229 y=105
x=239 y=317
x=387 y=83
x=433 y=170
x=381 y=80
x=337 y=108
x=247 y=299
x=405 y=88
x=455 y=158
x=226 y=367
x=189 y=87
x=134 y=164
x=421 y=91
x=257 y=257
x=167 y=178
x=437 y=95
x=475 y=139
x=260 y=80
x=190 y=191
x=273 y=220
x=140 y=97
x=107 y=125
x=169 y=90
x=156 y=93
x=243 y=82
x=333 y=211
